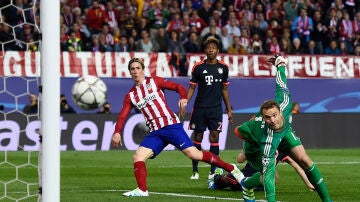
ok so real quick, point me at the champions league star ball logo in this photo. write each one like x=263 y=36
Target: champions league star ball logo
x=220 y=70
x=265 y=161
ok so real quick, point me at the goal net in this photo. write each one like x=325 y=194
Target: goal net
x=20 y=39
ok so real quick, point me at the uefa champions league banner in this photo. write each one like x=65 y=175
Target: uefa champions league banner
x=114 y=65
x=84 y=132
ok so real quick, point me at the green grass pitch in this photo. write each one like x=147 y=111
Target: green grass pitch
x=104 y=176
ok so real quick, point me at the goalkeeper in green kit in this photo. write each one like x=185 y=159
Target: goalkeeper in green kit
x=270 y=130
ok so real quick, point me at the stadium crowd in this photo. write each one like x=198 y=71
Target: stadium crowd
x=180 y=26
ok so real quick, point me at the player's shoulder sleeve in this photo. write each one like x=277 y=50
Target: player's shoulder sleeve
x=225 y=72
x=195 y=72
x=244 y=131
x=196 y=65
x=164 y=83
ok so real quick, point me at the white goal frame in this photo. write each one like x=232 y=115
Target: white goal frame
x=50 y=102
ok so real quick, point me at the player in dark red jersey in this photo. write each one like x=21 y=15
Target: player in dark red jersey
x=165 y=128
x=212 y=78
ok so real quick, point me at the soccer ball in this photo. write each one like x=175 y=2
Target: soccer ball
x=89 y=92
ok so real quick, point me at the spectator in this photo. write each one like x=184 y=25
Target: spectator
x=332 y=49
x=74 y=44
x=116 y=34
x=77 y=13
x=105 y=30
x=302 y=27
x=105 y=109
x=205 y=10
x=343 y=49
x=259 y=10
x=175 y=7
x=220 y=20
x=320 y=30
x=263 y=24
x=14 y=14
x=27 y=35
x=332 y=23
x=232 y=28
x=132 y=44
x=187 y=6
x=357 y=50
x=67 y=15
x=122 y=45
x=311 y=48
x=256 y=44
x=206 y=30
x=297 y=48
x=246 y=12
x=83 y=36
x=175 y=23
x=145 y=44
x=95 y=18
x=158 y=17
x=178 y=54
x=292 y=9
x=161 y=40
x=104 y=45
x=64 y=37
x=129 y=22
x=245 y=40
x=95 y=44
x=6 y=35
x=255 y=29
x=273 y=47
x=113 y=15
x=356 y=41
x=285 y=46
x=275 y=12
x=350 y=7
x=346 y=32
x=235 y=47
x=32 y=107
x=192 y=44
x=65 y=108
x=197 y=21
x=356 y=22
x=226 y=39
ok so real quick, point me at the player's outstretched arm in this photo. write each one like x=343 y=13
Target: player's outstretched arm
x=300 y=172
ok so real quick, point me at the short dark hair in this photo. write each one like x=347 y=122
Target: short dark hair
x=268 y=104
x=139 y=60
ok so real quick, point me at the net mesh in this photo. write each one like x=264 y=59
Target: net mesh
x=20 y=39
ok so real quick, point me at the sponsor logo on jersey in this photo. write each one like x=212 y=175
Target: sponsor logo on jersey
x=205 y=72
x=142 y=103
x=209 y=79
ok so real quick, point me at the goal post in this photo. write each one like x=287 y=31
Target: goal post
x=50 y=101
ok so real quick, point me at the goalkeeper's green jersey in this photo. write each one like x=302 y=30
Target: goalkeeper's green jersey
x=261 y=142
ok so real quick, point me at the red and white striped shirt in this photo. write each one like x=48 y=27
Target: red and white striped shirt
x=149 y=98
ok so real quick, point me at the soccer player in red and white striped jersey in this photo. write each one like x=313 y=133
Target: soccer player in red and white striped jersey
x=165 y=127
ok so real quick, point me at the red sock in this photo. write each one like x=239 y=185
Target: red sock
x=140 y=174
x=212 y=159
